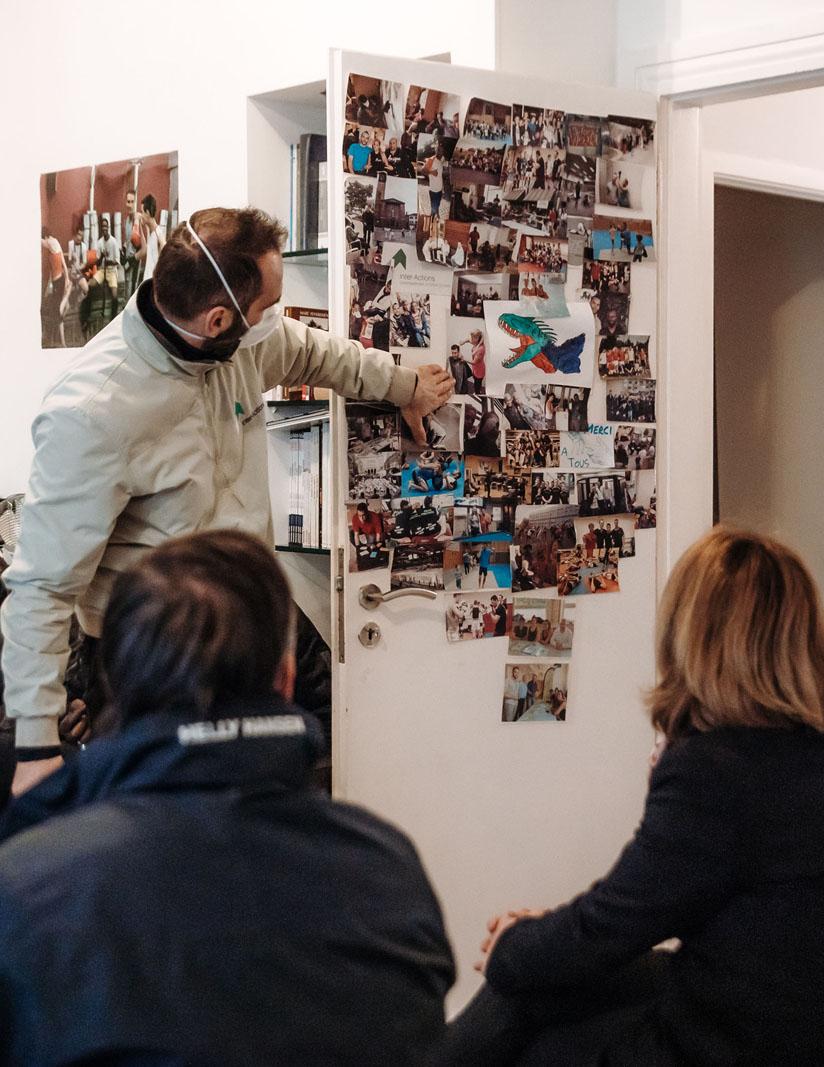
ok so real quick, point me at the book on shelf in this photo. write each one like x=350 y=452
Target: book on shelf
x=318 y=319
x=309 y=455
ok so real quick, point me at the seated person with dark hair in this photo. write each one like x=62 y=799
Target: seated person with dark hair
x=197 y=901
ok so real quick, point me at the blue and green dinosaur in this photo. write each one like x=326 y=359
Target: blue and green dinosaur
x=538 y=345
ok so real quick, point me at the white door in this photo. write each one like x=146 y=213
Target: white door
x=504 y=814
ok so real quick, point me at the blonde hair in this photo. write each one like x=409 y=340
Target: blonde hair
x=739 y=638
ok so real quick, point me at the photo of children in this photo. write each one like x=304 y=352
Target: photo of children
x=375 y=476
x=443 y=428
x=630 y=400
x=417 y=567
x=545 y=255
x=534 y=693
x=467 y=354
x=428 y=472
x=488 y=122
x=537 y=127
x=541 y=627
x=409 y=315
x=470 y=565
x=622 y=239
x=526 y=449
x=367 y=535
x=635 y=447
x=475 y=616
x=539 y=534
x=550 y=487
x=372 y=428
x=579 y=576
x=629 y=358
x=484 y=421
x=598 y=536
x=476 y=519
x=494 y=480
x=420 y=520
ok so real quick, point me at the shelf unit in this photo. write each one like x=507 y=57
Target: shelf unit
x=275 y=121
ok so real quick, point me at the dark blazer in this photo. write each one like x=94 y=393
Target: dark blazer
x=729 y=858
x=189 y=896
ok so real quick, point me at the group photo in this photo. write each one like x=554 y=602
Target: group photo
x=534 y=694
x=419 y=520
x=542 y=628
x=494 y=479
x=374 y=476
x=526 y=449
x=598 y=536
x=635 y=447
x=630 y=400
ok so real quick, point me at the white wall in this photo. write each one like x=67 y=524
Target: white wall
x=603 y=42
x=77 y=89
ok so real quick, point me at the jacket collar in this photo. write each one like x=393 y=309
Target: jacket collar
x=264 y=747
x=155 y=345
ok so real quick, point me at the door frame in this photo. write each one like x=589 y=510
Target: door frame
x=684 y=84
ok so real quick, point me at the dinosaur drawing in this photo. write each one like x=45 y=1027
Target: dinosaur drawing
x=537 y=344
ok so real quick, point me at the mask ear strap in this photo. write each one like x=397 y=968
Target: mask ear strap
x=218 y=271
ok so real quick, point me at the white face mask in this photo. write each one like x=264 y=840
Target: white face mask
x=252 y=335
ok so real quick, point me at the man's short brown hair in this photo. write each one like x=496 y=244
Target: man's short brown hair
x=185 y=282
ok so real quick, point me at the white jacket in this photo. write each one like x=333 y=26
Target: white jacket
x=133 y=446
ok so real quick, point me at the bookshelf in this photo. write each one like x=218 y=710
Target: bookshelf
x=275 y=122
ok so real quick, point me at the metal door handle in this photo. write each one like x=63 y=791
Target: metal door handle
x=370 y=596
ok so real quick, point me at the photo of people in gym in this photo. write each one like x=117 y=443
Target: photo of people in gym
x=598 y=536
x=419 y=520
x=494 y=479
x=552 y=487
x=526 y=449
x=579 y=576
x=102 y=229
x=542 y=628
x=428 y=472
x=477 y=519
x=471 y=565
x=475 y=616
x=534 y=693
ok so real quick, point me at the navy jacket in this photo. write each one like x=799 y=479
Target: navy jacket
x=729 y=857
x=189 y=896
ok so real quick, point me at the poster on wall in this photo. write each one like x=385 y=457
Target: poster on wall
x=101 y=230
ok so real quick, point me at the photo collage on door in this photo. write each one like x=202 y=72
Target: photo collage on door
x=502 y=241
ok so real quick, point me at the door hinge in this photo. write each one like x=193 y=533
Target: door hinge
x=341 y=606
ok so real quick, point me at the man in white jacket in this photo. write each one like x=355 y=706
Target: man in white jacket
x=157 y=429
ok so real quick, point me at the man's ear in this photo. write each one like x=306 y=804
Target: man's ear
x=218 y=320
x=285 y=676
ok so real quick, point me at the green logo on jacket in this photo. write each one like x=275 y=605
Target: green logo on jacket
x=239 y=408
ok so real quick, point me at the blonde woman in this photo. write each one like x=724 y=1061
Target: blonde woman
x=728 y=858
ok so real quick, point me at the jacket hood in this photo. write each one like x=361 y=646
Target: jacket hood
x=264 y=747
